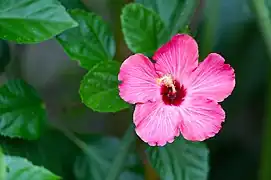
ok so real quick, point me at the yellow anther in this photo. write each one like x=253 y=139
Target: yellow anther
x=168 y=81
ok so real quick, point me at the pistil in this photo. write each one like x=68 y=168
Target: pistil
x=168 y=81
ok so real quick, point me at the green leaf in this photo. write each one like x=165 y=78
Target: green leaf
x=174 y=13
x=32 y=21
x=99 y=88
x=2 y=165
x=4 y=55
x=106 y=148
x=21 y=169
x=22 y=113
x=180 y=160
x=53 y=150
x=91 y=42
x=144 y=31
x=73 y=4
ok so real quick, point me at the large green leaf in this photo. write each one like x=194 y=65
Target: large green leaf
x=4 y=55
x=174 y=13
x=53 y=151
x=21 y=169
x=181 y=160
x=32 y=21
x=21 y=112
x=2 y=165
x=91 y=167
x=91 y=42
x=99 y=88
x=144 y=31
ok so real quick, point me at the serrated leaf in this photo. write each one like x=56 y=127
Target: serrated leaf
x=22 y=113
x=174 y=13
x=180 y=160
x=99 y=88
x=144 y=31
x=106 y=148
x=32 y=21
x=4 y=55
x=21 y=169
x=2 y=166
x=89 y=43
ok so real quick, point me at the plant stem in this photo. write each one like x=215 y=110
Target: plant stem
x=262 y=14
x=119 y=161
x=91 y=153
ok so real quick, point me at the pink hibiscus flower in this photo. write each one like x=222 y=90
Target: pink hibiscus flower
x=174 y=93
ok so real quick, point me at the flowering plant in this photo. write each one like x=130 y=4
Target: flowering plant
x=173 y=91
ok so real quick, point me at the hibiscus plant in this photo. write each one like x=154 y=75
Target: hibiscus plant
x=173 y=97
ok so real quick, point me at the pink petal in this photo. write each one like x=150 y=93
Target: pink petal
x=212 y=79
x=179 y=57
x=138 y=80
x=202 y=119
x=156 y=124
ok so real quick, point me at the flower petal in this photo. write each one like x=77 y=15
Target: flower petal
x=202 y=119
x=156 y=123
x=179 y=57
x=138 y=80
x=212 y=79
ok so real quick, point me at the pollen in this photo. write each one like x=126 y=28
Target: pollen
x=168 y=81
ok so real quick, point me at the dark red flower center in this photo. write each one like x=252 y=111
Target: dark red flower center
x=173 y=95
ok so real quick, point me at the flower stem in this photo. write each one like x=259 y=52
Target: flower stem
x=119 y=161
x=262 y=14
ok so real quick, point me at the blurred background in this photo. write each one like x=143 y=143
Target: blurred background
x=230 y=28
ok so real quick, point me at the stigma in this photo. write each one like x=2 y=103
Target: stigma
x=168 y=81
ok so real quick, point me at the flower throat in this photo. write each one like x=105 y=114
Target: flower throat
x=171 y=91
